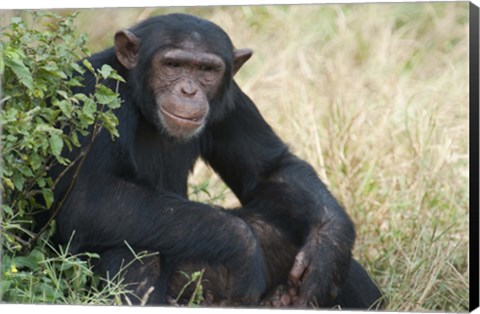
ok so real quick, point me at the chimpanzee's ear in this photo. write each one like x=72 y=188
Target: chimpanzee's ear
x=126 y=48
x=240 y=56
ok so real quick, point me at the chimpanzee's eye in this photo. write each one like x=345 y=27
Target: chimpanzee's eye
x=207 y=68
x=172 y=64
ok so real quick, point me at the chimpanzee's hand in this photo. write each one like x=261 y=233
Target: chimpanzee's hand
x=319 y=270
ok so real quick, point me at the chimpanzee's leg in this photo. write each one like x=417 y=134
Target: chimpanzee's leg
x=146 y=281
x=359 y=292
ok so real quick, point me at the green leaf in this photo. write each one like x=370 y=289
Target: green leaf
x=41 y=182
x=7 y=209
x=56 y=144
x=26 y=171
x=48 y=197
x=5 y=286
x=105 y=95
x=92 y=255
x=110 y=122
x=89 y=108
x=13 y=60
x=18 y=181
x=49 y=293
x=8 y=183
x=26 y=261
x=74 y=139
x=66 y=107
x=37 y=255
x=88 y=65
x=8 y=115
x=41 y=128
x=35 y=161
x=105 y=71
x=74 y=82
x=117 y=77
x=53 y=69
x=63 y=93
x=11 y=138
x=78 y=68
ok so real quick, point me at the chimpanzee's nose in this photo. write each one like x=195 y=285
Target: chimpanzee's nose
x=189 y=88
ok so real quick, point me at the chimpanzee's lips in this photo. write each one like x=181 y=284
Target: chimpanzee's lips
x=192 y=121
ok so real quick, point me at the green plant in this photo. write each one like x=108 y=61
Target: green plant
x=59 y=277
x=203 y=192
x=42 y=119
x=197 y=295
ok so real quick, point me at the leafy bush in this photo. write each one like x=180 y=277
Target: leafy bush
x=41 y=119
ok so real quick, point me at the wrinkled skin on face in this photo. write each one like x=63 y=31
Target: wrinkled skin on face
x=183 y=83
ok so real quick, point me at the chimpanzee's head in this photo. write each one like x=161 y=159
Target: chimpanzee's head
x=181 y=71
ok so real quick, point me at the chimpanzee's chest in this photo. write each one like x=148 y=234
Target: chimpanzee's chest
x=163 y=163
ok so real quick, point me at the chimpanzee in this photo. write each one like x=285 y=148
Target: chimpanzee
x=181 y=103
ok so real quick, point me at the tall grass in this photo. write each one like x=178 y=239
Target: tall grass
x=375 y=97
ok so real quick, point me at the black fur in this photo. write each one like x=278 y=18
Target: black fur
x=134 y=189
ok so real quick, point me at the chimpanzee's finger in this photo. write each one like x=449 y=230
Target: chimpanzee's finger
x=299 y=267
x=307 y=287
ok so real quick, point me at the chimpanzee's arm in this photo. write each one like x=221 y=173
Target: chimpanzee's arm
x=105 y=211
x=268 y=179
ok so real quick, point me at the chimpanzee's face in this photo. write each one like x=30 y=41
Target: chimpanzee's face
x=183 y=82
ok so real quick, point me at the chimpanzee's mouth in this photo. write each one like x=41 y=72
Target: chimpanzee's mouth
x=191 y=121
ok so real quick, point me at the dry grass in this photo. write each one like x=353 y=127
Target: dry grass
x=375 y=96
